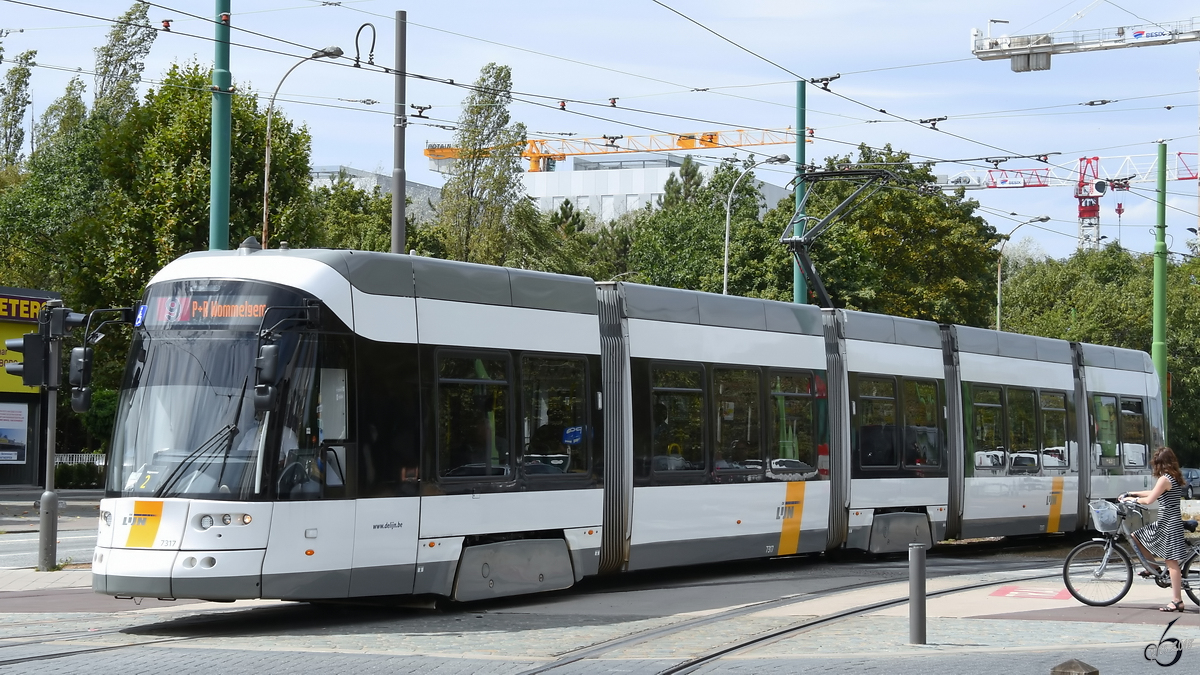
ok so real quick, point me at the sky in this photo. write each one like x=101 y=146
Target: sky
x=911 y=59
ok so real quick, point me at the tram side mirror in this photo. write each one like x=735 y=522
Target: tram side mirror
x=267 y=367
x=79 y=374
x=264 y=397
x=267 y=364
x=81 y=399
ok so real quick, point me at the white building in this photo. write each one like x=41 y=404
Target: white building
x=611 y=188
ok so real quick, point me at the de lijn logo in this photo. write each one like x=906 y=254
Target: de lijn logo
x=1167 y=648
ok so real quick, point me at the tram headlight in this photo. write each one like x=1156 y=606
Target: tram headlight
x=226 y=519
x=106 y=516
x=246 y=519
x=206 y=522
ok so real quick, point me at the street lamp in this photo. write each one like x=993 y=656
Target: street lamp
x=1000 y=260
x=328 y=52
x=777 y=159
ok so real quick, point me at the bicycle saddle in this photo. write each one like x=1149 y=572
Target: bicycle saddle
x=1189 y=525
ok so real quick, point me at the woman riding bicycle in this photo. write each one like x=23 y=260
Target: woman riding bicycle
x=1164 y=537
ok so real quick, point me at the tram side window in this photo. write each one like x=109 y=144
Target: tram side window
x=791 y=435
x=737 y=419
x=988 y=431
x=473 y=409
x=677 y=401
x=1054 y=430
x=554 y=428
x=922 y=442
x=1022 y=431
x=1104 y=421
x=1133 y=432
x=877 y=421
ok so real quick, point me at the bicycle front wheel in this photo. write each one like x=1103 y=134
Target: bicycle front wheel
x=1098 y=573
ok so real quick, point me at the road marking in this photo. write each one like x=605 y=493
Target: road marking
x=1034 y=593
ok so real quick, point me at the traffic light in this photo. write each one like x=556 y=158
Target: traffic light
x=63 y=319
x=33 y=371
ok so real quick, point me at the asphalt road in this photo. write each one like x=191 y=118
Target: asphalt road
x=20 y=549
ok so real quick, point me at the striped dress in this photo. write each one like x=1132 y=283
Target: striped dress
x=1164 y=537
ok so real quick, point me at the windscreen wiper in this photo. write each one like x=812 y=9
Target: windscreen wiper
x=214 y=442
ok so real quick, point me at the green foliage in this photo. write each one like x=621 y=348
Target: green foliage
x=1105 y=297
x=684 y=189
x=482 y=210
x=121 y=60
x=904 y=252
x=78 y=476
x=566 y=219
x=14 y=100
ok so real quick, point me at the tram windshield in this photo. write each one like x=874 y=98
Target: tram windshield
x=185 y=424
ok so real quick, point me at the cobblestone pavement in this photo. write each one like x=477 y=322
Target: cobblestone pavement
x=1013 y=622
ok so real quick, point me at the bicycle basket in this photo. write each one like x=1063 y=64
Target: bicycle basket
x=1104 y=516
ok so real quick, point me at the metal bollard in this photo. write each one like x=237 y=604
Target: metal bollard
x=916 y=594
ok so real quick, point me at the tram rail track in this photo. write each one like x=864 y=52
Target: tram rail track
x=690 y=665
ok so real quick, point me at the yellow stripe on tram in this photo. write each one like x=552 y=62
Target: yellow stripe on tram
x=144 y=526
x=1056 y=499
x=791 y=514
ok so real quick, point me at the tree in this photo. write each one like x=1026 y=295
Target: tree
x=566 y=219
x=682 y=244
x=1105 y=297
x=121 y=60
x=482 y=198
x=686 y=188
x=14 y=100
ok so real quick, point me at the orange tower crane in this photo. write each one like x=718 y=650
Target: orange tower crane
x=543 y=153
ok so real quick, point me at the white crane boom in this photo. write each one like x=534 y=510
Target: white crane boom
x=1032 y=52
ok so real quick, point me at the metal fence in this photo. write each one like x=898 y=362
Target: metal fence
x=79 y=458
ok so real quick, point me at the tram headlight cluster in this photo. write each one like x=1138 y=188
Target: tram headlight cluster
x=106 y=516
x=207 y=521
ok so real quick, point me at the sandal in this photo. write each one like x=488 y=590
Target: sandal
x=1147 y=574
x=1174 y=606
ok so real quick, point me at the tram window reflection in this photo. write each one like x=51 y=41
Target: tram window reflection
x=1106 y=449
x=1022 y=431
x=791 y=435
x=987 y=431
x=1133 y=432
x=472 y=420
x=922 y=435
x=312 y=452
x=876 y=422
x=1054 y=430
x=677 y=401
x=737 y=419
x=554 y=404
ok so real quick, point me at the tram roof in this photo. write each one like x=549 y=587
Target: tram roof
x=1011 y=345
x=675 y=305
x=414 y=276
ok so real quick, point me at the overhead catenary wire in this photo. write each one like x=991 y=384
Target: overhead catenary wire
x=835 y=93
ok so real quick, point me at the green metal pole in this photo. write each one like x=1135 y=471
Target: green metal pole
x=218 y=209
x=1158 y=349
x=799 y=283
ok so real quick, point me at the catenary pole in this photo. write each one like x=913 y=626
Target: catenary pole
x=799 y=284
x=1158 y=348
x=399 y=181
x=222 y=81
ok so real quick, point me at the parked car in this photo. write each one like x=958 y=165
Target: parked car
x=1191 y=483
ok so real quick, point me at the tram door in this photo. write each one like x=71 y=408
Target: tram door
x=312 y=537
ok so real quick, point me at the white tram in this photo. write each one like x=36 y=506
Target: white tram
x=308 y=424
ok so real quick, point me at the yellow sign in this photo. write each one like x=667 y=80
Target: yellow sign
x=8 y=331
x=18 y=308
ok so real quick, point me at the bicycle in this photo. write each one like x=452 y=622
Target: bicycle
x=1099 y=572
